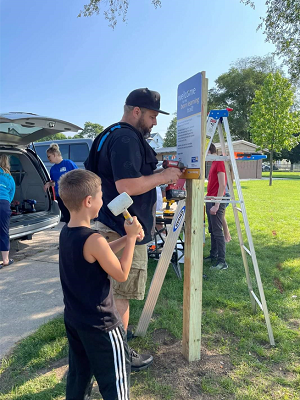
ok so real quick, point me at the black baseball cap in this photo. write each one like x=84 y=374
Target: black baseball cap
x=145 y=98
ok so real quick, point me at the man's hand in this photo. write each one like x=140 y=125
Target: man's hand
x=171 y=175
x=141 y=235
x=214 y=209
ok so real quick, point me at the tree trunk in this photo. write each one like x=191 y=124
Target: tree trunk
x=292 y=167
x=271 y=167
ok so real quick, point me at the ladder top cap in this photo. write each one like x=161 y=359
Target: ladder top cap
x=217 y=114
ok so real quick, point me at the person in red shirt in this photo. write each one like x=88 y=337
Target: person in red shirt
x=215 y=212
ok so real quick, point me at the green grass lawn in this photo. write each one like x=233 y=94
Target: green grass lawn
x=229 y=329
x=282 y=174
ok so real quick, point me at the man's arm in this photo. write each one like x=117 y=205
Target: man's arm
x=136 y=186
x=158 y=170
x=222 y=185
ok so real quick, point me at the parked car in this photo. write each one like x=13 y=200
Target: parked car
x=266 y=167
x=34 y=209
x=76 y=150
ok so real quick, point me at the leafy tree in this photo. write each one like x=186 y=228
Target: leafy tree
x=236 y=89
x=273 y=125
x=90 y=130
x=171 y=134
x=114 y=9
x=57 y=136
x=293 y=155
x=281 y=25
x=282 y=28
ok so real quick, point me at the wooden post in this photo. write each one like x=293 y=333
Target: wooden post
x=193 y=252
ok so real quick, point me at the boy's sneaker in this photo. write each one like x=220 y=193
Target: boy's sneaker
x=219 y=266
x=139 y=361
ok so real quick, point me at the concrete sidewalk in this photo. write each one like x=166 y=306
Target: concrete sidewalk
x=30 y=290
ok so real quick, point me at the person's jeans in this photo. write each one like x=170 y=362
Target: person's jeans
x=215 y=228
x=5 y=214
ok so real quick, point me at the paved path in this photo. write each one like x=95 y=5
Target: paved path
x=30 y=291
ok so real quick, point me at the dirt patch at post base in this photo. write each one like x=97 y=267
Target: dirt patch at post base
x=170 y=368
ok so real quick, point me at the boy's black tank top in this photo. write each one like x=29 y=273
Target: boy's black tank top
x=86 y=286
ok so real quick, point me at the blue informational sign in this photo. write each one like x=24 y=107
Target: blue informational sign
x=189 y=97
x=189 y=121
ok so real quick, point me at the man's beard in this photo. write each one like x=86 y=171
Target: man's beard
x=145 y=130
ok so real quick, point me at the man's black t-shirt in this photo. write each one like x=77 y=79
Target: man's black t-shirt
x=126 y=154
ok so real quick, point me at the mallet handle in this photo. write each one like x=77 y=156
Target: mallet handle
x=127 y=217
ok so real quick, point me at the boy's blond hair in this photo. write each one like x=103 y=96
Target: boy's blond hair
x=76 y=185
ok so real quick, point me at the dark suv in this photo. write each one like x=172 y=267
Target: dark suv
x=33 y=209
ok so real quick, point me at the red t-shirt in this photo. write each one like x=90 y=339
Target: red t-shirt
x=213 y=183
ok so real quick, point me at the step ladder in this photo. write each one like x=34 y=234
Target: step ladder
x=218 y=120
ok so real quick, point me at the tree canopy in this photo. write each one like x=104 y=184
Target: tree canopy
x=114 y=9
x=273 y=125
x=57 y=136
x=171 y=134
x=236 y=89
x=90 y=130
x=281 y=24
x=282 y=28
x=293 y=155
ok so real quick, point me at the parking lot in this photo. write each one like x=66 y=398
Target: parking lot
x=30 y=288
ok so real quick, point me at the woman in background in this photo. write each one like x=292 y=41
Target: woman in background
x=7 y=192
x=59 y=168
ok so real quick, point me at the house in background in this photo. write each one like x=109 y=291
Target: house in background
x=247 y=169
x=155 y=141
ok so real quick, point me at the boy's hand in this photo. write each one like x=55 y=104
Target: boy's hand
x=134 y=229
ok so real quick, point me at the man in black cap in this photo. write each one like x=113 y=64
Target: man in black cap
x=125 y=162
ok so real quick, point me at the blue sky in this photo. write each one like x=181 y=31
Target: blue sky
x=79 y=69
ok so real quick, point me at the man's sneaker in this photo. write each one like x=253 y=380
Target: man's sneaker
x=210 y=258
x=130 y=335
x=219 y=266
x=139 y=361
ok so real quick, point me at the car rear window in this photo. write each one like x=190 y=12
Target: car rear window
x=79 y=152
x=64 y=149
x=42 y=151
x=15 y=164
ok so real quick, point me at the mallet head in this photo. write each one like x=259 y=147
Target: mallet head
x=120 y=204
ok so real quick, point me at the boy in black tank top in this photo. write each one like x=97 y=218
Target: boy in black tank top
x=97 y=342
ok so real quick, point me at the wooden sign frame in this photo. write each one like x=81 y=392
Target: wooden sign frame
x=193 y=252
